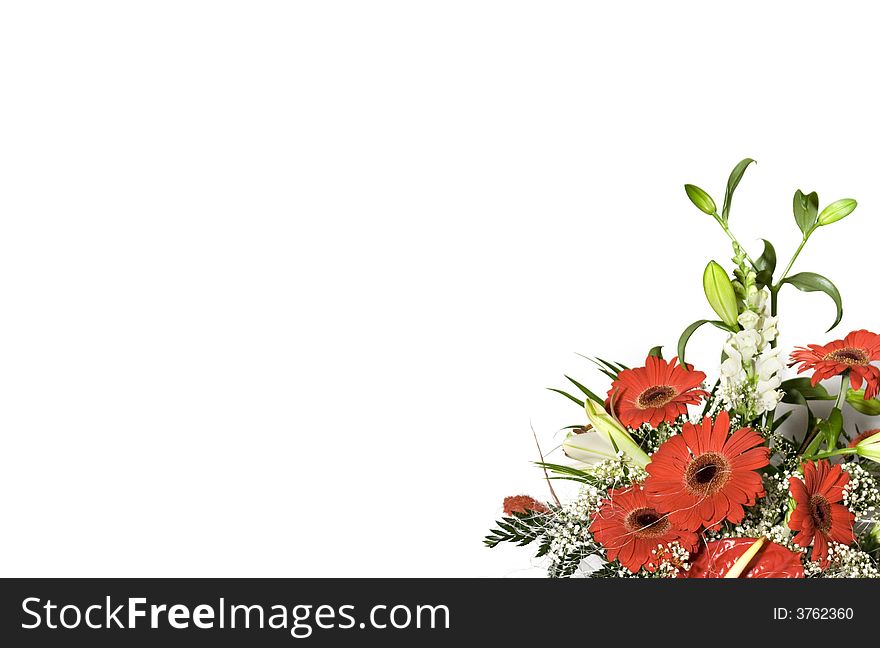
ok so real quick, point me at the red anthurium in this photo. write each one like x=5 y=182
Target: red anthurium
x=715 y=559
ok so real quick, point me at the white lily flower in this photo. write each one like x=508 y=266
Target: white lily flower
x=588 y=447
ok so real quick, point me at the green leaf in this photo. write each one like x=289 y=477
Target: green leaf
x=612 y=374
x=856 y=398
x=585 y=391
x=777 y=423
x=562 y=469
x=732 y=182
x=832 y=428
x=837 y=210
x=720 y=293
x=610 y=369
x=806 y=209
x=570 y=471
x=615 y=367
x=656 y=352
x=689 y=331
x=701 y=199
x=796 y=387
x=765 y=265
x=520 y=528
x=812 y=282
x=567 y=395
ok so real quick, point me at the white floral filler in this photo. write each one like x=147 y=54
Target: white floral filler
x=681 y=477
x=750 y=375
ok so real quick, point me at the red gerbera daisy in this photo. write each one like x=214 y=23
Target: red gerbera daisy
x=657 y=392
x=861 y=437
x=630 y=529
x=854 y=354
x=818 y=517
x=703 y=476
x=716 y=558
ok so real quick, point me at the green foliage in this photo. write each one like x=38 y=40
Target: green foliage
x=799 y=390
x=656 y=352
x=777 y=423
x=732 y=183
x=586 y=392
x=568 y=473
x=574 y=399
x=606 y=367
x=567 y=566
x=689 y=331
x=806 y=210
x=812 y=282
x=521 y=529
x=831 y=428
x=765 y=265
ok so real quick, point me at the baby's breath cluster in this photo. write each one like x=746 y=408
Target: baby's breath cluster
x=844 y=562
x=650 y=439
x=672 y=559
x=616 y=473
x=861 y=495
x=568 y=535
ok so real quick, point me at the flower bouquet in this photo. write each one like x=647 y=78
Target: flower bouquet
x=683 y=478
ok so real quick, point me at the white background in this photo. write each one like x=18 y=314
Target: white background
x=282 y=283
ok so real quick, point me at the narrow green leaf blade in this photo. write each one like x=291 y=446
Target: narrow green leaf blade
x=567 y=395
x=612 y=366
x=656 y=352
x=585 y=391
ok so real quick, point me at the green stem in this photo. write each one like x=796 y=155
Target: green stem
x=829 y=454
x=711 y=397
x=814 y=442
x=771 y=416
x=794 y=258
x=844 y=390
x=732 y=237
